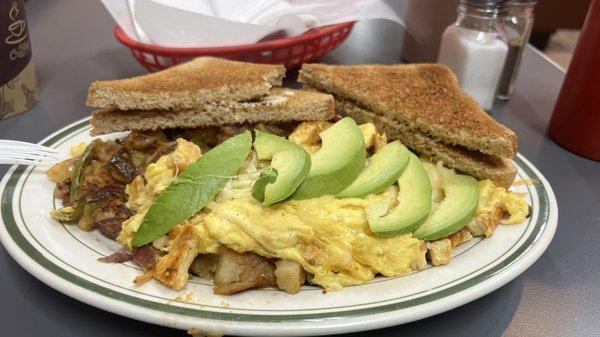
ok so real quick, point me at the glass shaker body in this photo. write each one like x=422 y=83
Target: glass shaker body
x=518 y=25
x=475 y=48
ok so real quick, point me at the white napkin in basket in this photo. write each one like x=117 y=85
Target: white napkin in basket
x=211 y=23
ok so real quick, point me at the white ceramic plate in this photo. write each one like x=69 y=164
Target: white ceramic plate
x=65 y=258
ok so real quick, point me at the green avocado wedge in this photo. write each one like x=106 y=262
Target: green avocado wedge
x=414 y=202
x=266 y=177
x=193 y=188
x=455 y=211
x=339 y=161
x=290 y=162
x=384 y=168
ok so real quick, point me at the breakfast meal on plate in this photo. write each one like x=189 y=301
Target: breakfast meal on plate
x=221 y=173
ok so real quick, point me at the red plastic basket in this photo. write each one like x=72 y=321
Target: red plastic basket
x=291 y=52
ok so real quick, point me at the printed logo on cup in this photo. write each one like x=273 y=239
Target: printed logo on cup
x=15 y=48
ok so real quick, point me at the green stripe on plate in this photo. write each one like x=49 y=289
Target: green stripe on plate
x=34 y=254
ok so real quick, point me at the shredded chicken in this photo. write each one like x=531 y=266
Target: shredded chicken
x=143 y=278
x=485 y=224
x=307 y=135
x=172 y=269
x=460 y=237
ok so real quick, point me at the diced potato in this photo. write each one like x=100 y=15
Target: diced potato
x=440 y=252
x=60 y=172
x=238 y=272
x=289 y=275
x=205 y=266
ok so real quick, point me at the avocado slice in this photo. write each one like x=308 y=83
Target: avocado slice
x=385 y=167
x=266 y=177
x=414 y=202
x=455 y=211
x=193 y=188
x=339 y=161
x=290 y=163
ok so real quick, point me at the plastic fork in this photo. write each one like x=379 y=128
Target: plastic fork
x=22 y=153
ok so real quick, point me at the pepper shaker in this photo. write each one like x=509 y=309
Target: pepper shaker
x=517 y=24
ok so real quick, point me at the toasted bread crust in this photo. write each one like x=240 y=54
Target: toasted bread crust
x=194 y=83
x=424 y=96
x=282 y=105
x=479 y=165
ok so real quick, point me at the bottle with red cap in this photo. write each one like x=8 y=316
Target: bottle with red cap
x=575 y=123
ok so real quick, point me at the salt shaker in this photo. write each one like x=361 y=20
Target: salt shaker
x=518 y=24
x=475 y=48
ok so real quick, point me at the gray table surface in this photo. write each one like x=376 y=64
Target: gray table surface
x=558 y=296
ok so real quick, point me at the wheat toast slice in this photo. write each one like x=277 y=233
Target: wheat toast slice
x=424 y=97
x=281 y=105
x=202 y=80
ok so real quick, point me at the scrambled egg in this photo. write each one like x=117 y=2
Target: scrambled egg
x=307 y=135
x=492 y=196
x=492 y=199
x=143 y=190
x=329 y=237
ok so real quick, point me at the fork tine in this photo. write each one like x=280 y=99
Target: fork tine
x=19 y=144
x=27 y=155
x=17 y=152
x=24 y=148
x=13 y=157
x=26 y=162
x=22 y=153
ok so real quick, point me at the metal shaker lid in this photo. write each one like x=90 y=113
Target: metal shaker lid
x=491 y=4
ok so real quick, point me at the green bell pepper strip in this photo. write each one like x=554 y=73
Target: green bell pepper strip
x=77 y=177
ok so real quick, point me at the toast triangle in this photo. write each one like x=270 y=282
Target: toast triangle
x=424 y=97
x=281 y=105
x=202 y=80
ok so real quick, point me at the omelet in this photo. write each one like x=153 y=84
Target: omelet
x=330 y=238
